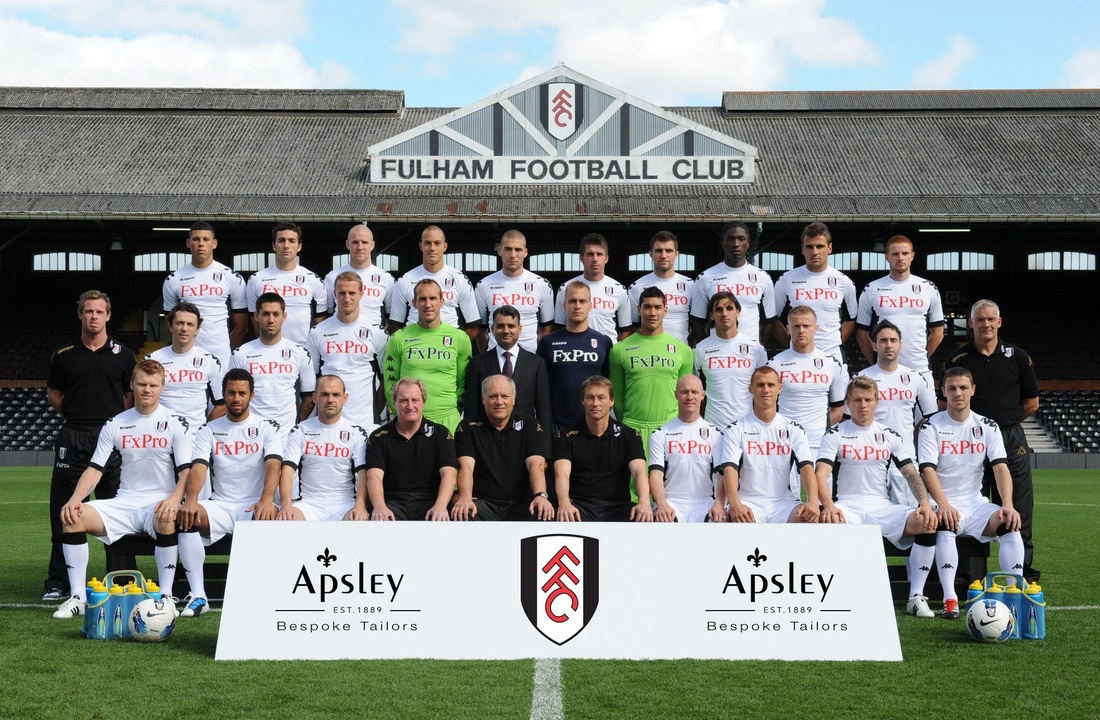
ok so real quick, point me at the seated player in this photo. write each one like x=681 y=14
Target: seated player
x=411 y=463
x=756 y=455
x=150 y=439
x=953 y=447
x=501 y=466
x=243 y=452
x=859 y=451
x=681 y=461
x=329 y=454
x=595 y=461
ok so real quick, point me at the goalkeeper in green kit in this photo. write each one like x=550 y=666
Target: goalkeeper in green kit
x=433 y=352
x=645 y=366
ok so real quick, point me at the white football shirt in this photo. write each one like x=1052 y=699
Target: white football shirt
x=726 y=367
x=752 y=287
x=764 y=453
x=235 y=452
x=685 y=453
x=829 y=293
x=903 y=400
x=528 y=293
x=377 y=287
x=327 y=457
x=301 y=290
x=154 y=448
x=458 y=297
x=812 y=383
x=860 y=458
x=354 y=352
x=610 y=306
x=191 y=380
x=281 y=371
x=958 y=451
x=214 y=290
x=913 y=304
x=678 y=290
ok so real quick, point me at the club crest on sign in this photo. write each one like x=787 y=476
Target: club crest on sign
x=559 y=583
x=561 y=109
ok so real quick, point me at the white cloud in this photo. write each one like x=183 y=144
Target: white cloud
x=940 y=73
x=1082 y=70
x=133 y=43
x=666 y=51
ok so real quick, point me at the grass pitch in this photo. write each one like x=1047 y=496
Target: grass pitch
x=50 y=671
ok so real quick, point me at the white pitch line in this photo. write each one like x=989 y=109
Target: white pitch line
x=1069 y=504
x=24 y=502
x=46 y=606
x=1074 y=607
x=546 y=693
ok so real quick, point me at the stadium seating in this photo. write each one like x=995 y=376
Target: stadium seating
x=1073 y=417
x=27 y=422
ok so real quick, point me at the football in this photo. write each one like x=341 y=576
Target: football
x=152 y=620
x=989 y=621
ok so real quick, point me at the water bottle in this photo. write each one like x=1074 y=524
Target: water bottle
x=1035 y=609
x=995 y=592
x=1014 y=599
x=97 y=592
x=974 y=592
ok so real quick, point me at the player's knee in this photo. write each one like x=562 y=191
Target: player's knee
x=925 y=539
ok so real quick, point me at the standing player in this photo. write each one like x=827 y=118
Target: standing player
x=756 y=456
x=857 y=452
x=681 y=461
x=215 y=289
x=350 y=347
x=192 y=376
x=501 y=460
x=89 y=383
x=826 y=290
x=434 y=353
x=911 y=303
x=514 y=285
x=155 y=446
x=725 y=360
x=595 y=462
x=411 y=463
x=903 y=399
x=610 y=309
x=1006 y=391
x=664 y=249
x=243 y=455
x=301 y=289
x=459 y=309
x=645 y=367
x=813 y=382
x=283 y=369
x=956 y=447
x=377 y=283
x=329 y=455
x=573 y=354
x=749 y=284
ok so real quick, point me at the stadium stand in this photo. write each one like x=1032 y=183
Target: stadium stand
x=1073 y=417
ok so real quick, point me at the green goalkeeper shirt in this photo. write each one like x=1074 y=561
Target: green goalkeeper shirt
x=438 y=357
x=644 y=370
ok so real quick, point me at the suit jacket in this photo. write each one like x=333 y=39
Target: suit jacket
x=532 y=386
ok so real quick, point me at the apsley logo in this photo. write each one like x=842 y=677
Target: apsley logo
x=559 y=583
x=253 y=433
x=162 y=426
x=561 y=109
x=977 y=432
x=287 y=354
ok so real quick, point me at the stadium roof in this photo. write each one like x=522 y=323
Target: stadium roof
x=1004 y=156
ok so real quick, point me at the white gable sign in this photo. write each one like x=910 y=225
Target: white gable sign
x=562 y=128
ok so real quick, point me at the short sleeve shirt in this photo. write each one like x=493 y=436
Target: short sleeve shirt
x=94 y=383
x=154 y=448
x=236 y=453
x=327 y=457
x=411 y=466
x=600 y=463
x=303 y=292
x=500 y=456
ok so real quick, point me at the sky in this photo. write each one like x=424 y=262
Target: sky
x=450 y=53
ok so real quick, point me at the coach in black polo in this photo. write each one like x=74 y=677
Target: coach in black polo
x=501 y=465
x=1007 y=392
x=89 y=383
x=594 y=461
x=411 y=464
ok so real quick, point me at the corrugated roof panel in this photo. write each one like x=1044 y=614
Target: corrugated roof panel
x=909 y=100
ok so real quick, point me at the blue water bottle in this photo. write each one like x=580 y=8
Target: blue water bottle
x=1035 y=612
x=1014 y=599
x=974 y=592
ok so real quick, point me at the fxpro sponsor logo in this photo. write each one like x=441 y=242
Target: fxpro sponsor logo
x=559 y=583
x=776 y=595
x=338 y=593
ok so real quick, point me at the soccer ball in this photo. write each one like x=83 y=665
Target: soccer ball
x=153 y=620
x=989 y=621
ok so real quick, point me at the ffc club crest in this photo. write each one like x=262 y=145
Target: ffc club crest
x=447 y=341
x=704 y=433
x=915 y=289
x=162 y=426
x=253 y=433
x=217 y=277
x=784 y=434
x=345 y=436
x=562 y=109
x=671 y=348
x=300 y=279
x=559 y=583
x=608 y=290
x=904 y=377
x=752 y=278
x=528 y=287
x=832 y=282
x=819 y=363
x=880 y=438
x=743 y=349
x=196 y=362
x=287 y=354
x=595 y=343
x=375 y=279
x=449 y=282
x=977 y=432
x=364 y=334
x=1008 y=351
x=680 y=287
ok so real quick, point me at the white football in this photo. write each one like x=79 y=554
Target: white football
x=153 y=620
x=989 y=621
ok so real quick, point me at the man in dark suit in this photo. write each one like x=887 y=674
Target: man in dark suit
x=526 y=369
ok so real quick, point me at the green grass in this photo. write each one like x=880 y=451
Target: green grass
x=49 y=671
